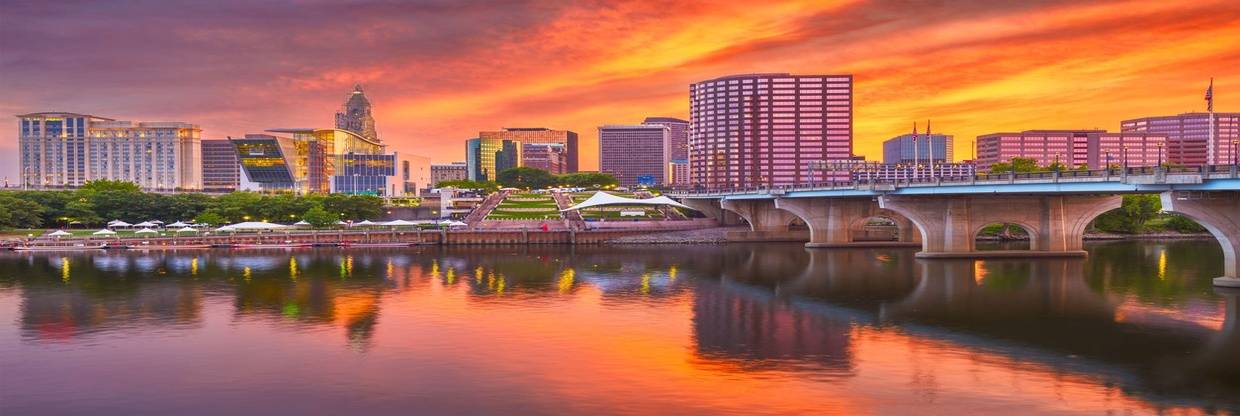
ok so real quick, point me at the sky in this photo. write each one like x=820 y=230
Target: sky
x=438 y=72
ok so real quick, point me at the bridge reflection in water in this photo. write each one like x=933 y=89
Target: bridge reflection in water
x=1141 y=317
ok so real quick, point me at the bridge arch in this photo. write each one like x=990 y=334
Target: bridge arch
x=1219 y=213
x=1030 y=231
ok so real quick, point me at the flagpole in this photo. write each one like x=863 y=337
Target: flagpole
x=1210 y=108
x=916 y=151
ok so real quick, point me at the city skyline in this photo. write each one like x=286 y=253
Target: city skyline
x=968 y=68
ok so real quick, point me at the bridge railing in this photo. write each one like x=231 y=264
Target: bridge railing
x=1117 y=174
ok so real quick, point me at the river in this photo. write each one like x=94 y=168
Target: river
x=729 y=329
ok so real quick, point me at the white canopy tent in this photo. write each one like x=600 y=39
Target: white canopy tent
x=602 y=198
x=104 y=231
x=254 y=226
x=399 y=223
x=146 y=224
x=364 y=223
x=226 y=228
x=301 y=223
x=60 y=233
x=177 y=224
x=118 y=223
x=187 y=230
x=146 y=231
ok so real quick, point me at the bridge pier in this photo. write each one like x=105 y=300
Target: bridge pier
x=832 y=221
x=766 y=222
x=712 y=209
x=949 y=224
x=1218 y=212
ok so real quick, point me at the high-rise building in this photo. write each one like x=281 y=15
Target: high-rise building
x=221 y=172
x=679 y=168
x=1188 y=136
x=1072 y=148
x=766 y=129
x=539 y=135
x=635 y=155
x=679 y=135
x=355 y=116
x=304 y=162
x=487 y=157
x=918 y=149
x=455 y=171
x=551 y=157
x=68 y=149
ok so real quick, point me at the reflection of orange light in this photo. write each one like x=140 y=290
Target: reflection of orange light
x=1162 y=264
x=979 y=271
x=566 y=280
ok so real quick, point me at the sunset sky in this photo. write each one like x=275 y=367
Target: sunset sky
x=437 y=72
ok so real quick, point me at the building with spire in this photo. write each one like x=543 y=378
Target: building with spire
x=356 y=117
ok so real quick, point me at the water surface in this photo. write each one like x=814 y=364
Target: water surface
x=743 y=329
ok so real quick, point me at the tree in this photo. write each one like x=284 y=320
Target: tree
x=20 y=213
x=210 y=217
x=484 y=186
x=319 y=217
x=353 y=207
x=104 y=185
x=526 y=177
x=587 y=179
x=81 y=210
x=1017 y=165
x=1140 y=209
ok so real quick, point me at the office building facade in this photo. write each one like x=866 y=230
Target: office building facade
x=521 y=135
x=1188 y=136
x=487 y=157
x=221 y=171
x=637 y=155
x=388 y=175
x=679 y=169
x=551 y=157
x=918 y=149
x=765 y=129
x=69 y=149
x=1072 y=148
x=455 y=171
x=679 y=135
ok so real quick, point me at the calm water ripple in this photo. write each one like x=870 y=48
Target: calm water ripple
x=735 y=329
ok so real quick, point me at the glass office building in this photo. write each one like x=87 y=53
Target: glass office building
x=485 y=158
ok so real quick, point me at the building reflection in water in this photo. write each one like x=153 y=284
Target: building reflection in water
x=1141 y=319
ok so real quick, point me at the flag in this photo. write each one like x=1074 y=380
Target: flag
x=1210 y=96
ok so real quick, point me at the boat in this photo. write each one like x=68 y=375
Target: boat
x=49 y=247
x=173 y=247
x=376 y=245
x=275 y=245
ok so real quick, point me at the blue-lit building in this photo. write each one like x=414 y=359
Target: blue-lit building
x=903 y=149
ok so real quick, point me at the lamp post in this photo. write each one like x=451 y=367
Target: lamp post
x=1235 y=159
x=1107 y=166
x=1124 y=155
x=1160 y=146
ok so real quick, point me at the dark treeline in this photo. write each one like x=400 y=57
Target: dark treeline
x=98 y=202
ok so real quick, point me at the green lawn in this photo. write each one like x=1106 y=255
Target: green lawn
x=526 y=207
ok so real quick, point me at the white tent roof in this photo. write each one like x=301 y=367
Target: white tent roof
x=602 y=198
x=364 y=222
x=178 y=224
x=398 y=223
x=155 y=222
x=226 y=228
x=186 y=230
x=302 y=222
x=341 y=223
x=456 y=224
x=104 y=231
x=118 y=223
x=145 y=231
x=255 y=225
x=60 y=233
x=145 y=224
